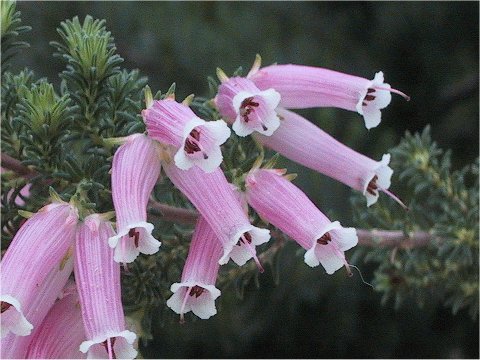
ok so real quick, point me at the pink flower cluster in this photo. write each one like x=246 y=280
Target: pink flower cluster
x=45 y=316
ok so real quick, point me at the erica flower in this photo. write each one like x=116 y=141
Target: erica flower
x=249 y=108
x=303 y=142
x=135 y=170
x=61 y=332
x=98 y=283
x=197 y=291
x=15 y=347
x=284 y=205
x=215 y=199
x=197 y=141
x=39 y=246
x=305 y=86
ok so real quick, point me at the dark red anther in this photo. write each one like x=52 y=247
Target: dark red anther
x=324 y=239
x=246 y=107
x=105 y=345
x=196 y=290
x=5 y=306
x=370 y=90
x=246 y=237
x=135 y=235
x=372 y=186
x=369 y=97
x=192 y=146
x=195 y=134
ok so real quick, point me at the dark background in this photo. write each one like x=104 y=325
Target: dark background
x=427 y=49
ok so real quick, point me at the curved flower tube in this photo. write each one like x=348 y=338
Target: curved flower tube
x=197 y=141
x=247 y=107
x=98 y=283
x=303 y=142
x=39 y=246
x=61 y=332
x=135 y=170
x=306 y=86
x=197 y=292
x=215 y=199
x=284 y=205
x=15 y=347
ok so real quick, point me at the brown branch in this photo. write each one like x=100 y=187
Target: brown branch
x=16 y=166
x=393 y=238
x=172 y=213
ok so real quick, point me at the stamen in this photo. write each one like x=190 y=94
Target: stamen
x=135 y=235
x=108 y=345
x=395 y=91
x=361 y=276
x=369 y=97
x=370 y=90
x=372 y=187
x=4 y=306
x=246 y=107
x=341 y=255
x=264 y=127
x=324 y=239
x=182 y=309
x=396 y=198
x=246 y=239
x=196 y=291
x=192 y=143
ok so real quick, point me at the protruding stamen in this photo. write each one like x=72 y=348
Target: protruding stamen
x=246 y=239
x=341 y=255
x=396 y=198
x=395 y=91
x=324 y=239
x=108 y=345
x=5 y=306
x=182 y=309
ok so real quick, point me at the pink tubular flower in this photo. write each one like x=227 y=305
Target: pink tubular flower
x=15 y=347
x=215 y=199
x=285 y=206
x=249 y=108
x=61 y=332
x=306 y=86
x=303 y=142
x=135 y=170
x=98 y=283
x=197 y=141
x=39 y=246
x=197 y=291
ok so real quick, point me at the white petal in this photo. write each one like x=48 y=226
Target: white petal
x=310 y=258
x=345 y=238
x=190 y=125
x=241 y=128
x=13 y=320
x=214 y=160
x=272 y=98
x=272 y=123
x=220 y=131
x=204 y=306
x=372 y=116
x=148 y=244
x=238 y=99
x=240 y=254
x=182 y=161
x=259 y=235
x=329 y=258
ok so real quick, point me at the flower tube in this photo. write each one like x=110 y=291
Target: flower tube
x=215 y=199
x=98 y=283
x=303 y=142
x=61 y=332
x=135 y=170
x=39 y=246
x=285 y=206
x=197 y=291
x=250 y=109
x=15 y=347
x=197 y=141
x=306 y=86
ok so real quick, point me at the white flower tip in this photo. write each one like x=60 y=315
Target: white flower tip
x=240 y=128
x=129 y=246
x=382 y=177
x=122 y=346
x=12 y=319
x=194 y=296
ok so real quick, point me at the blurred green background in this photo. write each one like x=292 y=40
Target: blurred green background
x=427 y=49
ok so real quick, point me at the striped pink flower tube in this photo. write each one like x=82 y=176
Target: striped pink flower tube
x=135 y=170
x=306 y=86
x=303 y=142
x=250 y=109
x=98 y=283
x=14 y=346
x=39 y=246
x=197 y=142
x=285 y=206
x=215 y=199
x=197 y=292
x=61 y=332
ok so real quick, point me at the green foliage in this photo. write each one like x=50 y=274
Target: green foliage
x=11 y=28
x=443 y=203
